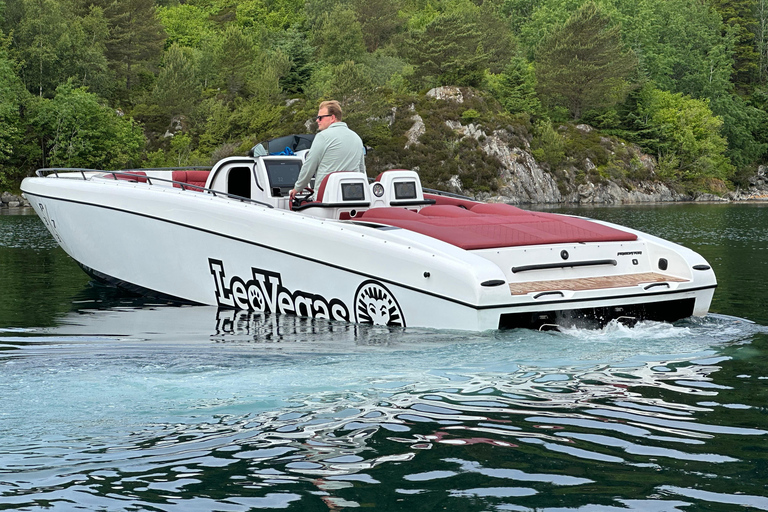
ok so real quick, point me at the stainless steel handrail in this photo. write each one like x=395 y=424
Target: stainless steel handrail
x=44 y=172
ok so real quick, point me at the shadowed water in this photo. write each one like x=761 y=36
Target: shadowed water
x=112 y=403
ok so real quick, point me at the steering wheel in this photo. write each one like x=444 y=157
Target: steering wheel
x=301 y=197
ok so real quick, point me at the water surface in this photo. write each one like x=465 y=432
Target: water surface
x=114 y=403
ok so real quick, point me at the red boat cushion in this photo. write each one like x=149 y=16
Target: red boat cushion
x=137 y=176
x=445 y=211
x=498 y=209
x=198 y=178
x=487 y=226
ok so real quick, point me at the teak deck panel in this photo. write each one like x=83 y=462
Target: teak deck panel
x=591 y=283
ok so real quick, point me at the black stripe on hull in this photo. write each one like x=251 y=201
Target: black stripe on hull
x=153 y=293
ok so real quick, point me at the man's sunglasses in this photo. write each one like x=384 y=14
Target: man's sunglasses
x=324 y=115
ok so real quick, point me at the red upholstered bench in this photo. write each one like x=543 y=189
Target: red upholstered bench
x=196 y=178
x=448 y=200
x=445 y=211
x=488 y=226
x=135 y=176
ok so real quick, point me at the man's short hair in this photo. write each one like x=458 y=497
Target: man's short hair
x=333 y=107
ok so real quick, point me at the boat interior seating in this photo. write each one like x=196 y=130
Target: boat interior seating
x=341 y=195
x=399 y=188
x=346 y=195
x=134 y=176
x=486 y=226
x=195 y=178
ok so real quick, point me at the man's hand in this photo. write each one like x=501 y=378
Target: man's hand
x=292 y=193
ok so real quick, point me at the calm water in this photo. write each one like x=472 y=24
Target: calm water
x=108 y=403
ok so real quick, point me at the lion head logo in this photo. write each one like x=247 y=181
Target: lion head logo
x=375 y=304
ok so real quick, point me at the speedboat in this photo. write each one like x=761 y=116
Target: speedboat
x=382 y=251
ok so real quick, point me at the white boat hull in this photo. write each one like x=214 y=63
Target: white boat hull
x=201 y=249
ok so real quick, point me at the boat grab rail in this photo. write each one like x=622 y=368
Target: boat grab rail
x=565 y=264
x=135 y=172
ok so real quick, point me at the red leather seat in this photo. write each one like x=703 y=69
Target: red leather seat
x=137 y=176
x=197 y=178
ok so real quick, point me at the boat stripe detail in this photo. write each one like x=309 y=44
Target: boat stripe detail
x=371 y=276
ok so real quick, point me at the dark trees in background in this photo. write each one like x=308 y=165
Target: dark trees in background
x=584 y=63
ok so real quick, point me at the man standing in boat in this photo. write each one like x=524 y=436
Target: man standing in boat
x=335 y=148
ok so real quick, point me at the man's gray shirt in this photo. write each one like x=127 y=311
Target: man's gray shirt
x=337 y=148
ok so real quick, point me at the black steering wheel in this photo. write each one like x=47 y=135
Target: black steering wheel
x=301 y=197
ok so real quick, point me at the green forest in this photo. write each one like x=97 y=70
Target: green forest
x=113 y=84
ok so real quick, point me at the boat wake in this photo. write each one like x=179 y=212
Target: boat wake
x=136 y=407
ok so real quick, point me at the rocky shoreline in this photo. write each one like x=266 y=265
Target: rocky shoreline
x=523 y=187
x=591 y=194
x=8 y=201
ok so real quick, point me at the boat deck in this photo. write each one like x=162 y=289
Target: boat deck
x=592 y=283
x=490 y=226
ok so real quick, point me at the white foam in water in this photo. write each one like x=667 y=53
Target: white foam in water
x=135 y=391
x=155 y=375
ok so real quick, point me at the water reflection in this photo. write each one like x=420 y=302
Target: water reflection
x=233 y=411
x=118 y=403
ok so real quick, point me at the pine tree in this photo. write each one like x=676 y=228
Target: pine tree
x=234 y=61
x=136 y=39
x=761 y=40
x=584 y=64
x=739 y=16
x=515 y=88
x=177 y=89
x=379 y=20
x=448 y=52
x=295 y=46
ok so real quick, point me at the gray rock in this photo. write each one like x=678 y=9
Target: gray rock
x=415 y=131
x=523 y=181
x=447 y=93
x=8 y=200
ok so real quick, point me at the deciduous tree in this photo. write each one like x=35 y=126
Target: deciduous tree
x=687 y=135
x=41 y=25
x=187 y=25
x=76 y=130
x=12 y=95
x=339 y=36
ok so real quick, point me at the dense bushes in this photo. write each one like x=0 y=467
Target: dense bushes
x=206 y=78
